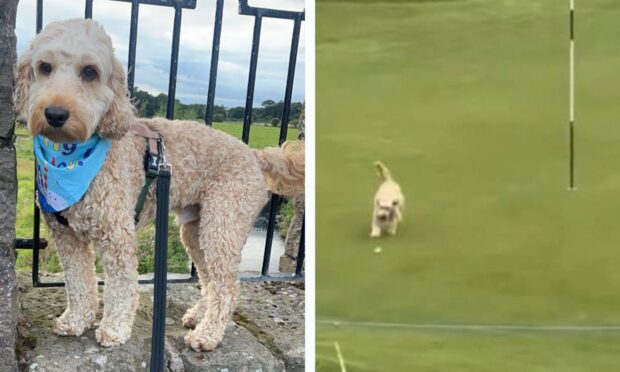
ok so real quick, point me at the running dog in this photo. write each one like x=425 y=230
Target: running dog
x=388 y=206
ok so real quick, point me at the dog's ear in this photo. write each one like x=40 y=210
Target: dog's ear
x=23 y=78
x=119 y=118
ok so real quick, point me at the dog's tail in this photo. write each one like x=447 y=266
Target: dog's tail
x=284 y=167
x=384 y=172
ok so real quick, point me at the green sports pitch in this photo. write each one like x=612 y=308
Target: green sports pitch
x=497 y=266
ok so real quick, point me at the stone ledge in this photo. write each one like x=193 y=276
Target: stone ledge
x=268 y=334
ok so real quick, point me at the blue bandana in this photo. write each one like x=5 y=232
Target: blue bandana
x=65 y=170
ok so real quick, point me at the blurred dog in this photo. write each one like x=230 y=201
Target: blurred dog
x=388 y=205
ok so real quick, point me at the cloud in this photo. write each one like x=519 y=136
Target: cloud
x=155 y=39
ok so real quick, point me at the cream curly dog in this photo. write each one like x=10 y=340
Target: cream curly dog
x=217 y=188
x=388 y=206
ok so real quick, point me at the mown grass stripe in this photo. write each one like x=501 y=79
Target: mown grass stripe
x=476 y=327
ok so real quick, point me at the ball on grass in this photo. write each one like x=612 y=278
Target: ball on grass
x=378 y=250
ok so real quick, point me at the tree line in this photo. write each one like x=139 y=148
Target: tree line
x=270 y=111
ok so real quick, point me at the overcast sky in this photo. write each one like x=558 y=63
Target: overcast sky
x=155 y=40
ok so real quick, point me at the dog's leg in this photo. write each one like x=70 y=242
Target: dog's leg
x=222 y=247
x=375 y=229
x=78 y=261
x=190 y=237
x=399 y=213
x=393 y=227
x=120 y=297
x=225 y=221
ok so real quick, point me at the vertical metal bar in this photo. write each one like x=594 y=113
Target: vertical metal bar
x=39 y=15
x=36 y=237
x=273 y=211
x=301 y=252
x=159 y=281
x=88 y=12
x=36 y=227
x=215 y=55
x=174 y=61
x=133 y=36
x=292 y=62
x=249 y=100
x=571 y=181
x=161 y=231
x=193 y=271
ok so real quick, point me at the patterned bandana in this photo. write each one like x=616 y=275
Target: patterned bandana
x=65 y=170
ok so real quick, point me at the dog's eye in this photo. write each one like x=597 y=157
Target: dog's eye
x=89 y=73
x=395 y=203
x=45 y=68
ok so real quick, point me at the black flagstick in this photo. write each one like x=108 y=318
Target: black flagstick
x=571 y=182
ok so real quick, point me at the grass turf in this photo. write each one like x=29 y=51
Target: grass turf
x=394 y=350
x=260 y=136
x=467 y=103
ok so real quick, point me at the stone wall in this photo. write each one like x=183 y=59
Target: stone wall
x=8 y=187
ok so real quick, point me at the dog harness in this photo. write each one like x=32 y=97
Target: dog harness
x=59 y=187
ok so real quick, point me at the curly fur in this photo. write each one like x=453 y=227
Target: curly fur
x=284 y=167
x=217 y=187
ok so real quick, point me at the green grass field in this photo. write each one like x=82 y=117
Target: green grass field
x=260 y=136
x=467 y=103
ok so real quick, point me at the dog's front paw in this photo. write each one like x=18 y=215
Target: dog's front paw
x=190 y=319
x=375 y=231
x=194 y=315
x=109 y=337
x=202 y=341
x=72 y=325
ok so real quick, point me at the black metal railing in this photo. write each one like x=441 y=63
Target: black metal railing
x=36 y=243
x=297 y=17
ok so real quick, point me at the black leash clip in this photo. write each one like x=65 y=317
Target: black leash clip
x=152 y=167
x=155 y=162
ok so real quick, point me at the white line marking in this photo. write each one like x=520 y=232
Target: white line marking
x=572 y=82
x=350 y=363
x=571 y=90
x=343 y=368
x=477 y=327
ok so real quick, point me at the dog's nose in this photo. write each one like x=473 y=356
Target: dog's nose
x=56 y=116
